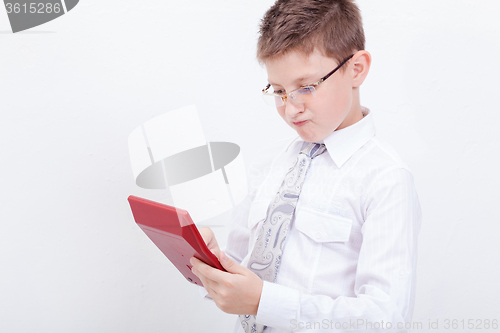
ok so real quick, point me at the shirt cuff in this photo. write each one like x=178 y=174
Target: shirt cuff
x=204 y=293
x=278 y=306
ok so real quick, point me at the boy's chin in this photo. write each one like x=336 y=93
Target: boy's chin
x=310 y=138
x=310 y=132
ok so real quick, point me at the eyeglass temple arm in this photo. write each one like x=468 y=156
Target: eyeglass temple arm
x=336 y=69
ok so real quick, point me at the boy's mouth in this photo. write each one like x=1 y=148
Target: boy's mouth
x=300 y=123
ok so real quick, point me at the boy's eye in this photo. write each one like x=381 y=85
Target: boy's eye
x=305 y=90
x=279 y=92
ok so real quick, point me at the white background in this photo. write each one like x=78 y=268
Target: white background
x=72 y=258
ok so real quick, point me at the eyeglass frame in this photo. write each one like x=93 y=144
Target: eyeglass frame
x=314 y=85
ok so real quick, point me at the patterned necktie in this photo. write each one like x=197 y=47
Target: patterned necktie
x=266 y=255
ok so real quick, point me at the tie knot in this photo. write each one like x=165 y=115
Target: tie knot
x=313 y=149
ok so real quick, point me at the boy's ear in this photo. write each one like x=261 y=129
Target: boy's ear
x=362 y=61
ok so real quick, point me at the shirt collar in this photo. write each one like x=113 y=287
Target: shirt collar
x=342 y=144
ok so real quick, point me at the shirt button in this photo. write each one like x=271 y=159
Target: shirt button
x=318 y=235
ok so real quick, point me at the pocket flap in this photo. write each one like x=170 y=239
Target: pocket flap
x=323 y=227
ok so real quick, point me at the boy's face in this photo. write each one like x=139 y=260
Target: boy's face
x=333 y=107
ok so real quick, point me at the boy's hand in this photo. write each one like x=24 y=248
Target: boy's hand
x=236 y=291
x=208 y=236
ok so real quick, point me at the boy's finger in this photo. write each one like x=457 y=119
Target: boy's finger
x=230 y=265
x=215 y=252
x=204 y=269
x=195 y=262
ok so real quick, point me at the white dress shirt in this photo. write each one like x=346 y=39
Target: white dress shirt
x=350 y=255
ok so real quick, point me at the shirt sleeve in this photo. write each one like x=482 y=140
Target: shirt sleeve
x=384 y=285
x=237 y=244
x=239 y=235
x=238 y=238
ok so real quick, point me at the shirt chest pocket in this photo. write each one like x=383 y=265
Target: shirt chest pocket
x=323 y=227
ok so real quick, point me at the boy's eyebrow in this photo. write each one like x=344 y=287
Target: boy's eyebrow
x=307 y=79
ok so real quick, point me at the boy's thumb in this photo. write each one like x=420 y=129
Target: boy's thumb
x=230 y=265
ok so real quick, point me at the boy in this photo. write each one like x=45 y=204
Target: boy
x=332 y=247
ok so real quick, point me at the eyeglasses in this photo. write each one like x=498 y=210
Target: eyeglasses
x=297 y=96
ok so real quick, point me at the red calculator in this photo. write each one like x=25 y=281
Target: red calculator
x=172 y=230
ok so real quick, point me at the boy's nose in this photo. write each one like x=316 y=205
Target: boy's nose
x=292 y=109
